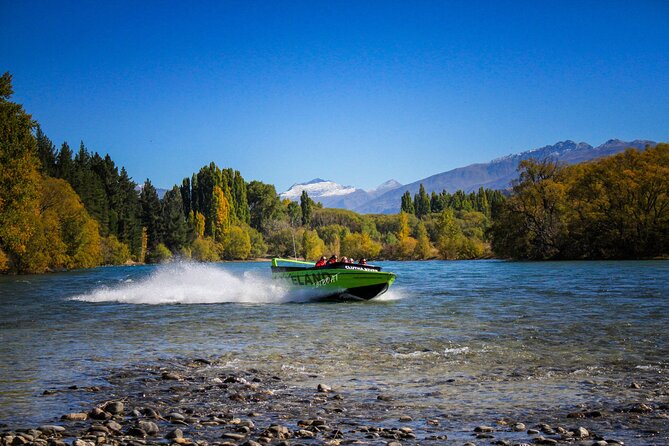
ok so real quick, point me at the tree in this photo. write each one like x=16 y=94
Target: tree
x=46 y=151
x=312 y=245
x=64 y=164
x=19 y=177
x=221 y=214
x=150 y=214
x=423 y=247
x=359 y=246
x=237 y=244
x=449 y=235
x=65 y=236
x=536 y=214
x=264 y=205
x=306 y=204
x=175 y=228
x=407 y=203
x=422 y=202
x=204 y=250
x=258 y=245
x=114 y=252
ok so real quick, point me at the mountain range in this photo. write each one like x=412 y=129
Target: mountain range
x=496 y=174
x=334 y=195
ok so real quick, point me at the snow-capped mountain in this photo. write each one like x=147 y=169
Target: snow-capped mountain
x=335 y=195
x=317 y=189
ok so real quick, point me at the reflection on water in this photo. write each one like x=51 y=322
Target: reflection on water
x=478 y=339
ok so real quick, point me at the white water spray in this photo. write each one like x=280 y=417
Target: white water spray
x=193 y=283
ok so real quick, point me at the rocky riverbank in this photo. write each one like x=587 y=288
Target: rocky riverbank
x=203 y=402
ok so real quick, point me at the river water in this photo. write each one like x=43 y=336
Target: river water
x=470 y=341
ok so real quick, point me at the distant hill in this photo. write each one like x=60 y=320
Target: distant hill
x=497 y=174
x=335 y=195
x=161 y=192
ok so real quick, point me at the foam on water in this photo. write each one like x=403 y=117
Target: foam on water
x=193 y=283
x=391 y=295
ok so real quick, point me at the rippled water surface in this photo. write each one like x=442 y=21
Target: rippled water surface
x=477 y=339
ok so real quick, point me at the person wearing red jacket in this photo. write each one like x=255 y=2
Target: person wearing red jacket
x=321 y=262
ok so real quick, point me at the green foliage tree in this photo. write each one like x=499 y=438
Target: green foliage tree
x=423 y=248
x=306 y=204
x=204 y=249
x=407 y=203
x=312 y=245
x=159 y=254
x=151 y=215
x=449 y=236
x=175 y=227
x=357 y=246
x=46 y=151
x=422 y=202
x=537 y=211
x=114 y=252
x=19 y=177
x=258 y=245
x=237 y=244
x=264 y=206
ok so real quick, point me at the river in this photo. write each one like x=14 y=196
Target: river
x=477 y=340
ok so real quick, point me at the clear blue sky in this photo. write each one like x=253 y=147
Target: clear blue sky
x=357 y=92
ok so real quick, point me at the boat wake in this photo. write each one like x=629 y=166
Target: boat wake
x=193 y=283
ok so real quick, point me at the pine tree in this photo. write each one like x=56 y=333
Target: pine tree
x=151 y=215
x=64 y=163
x=175 y=228
x=129 y=228
x=46 y=152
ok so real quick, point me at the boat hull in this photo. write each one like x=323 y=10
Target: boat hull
x=341 y=281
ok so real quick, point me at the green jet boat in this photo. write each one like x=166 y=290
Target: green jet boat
x=337 y=280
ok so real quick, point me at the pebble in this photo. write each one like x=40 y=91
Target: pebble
x=405 y=418
x=175 y=416
x=149 y=427
x=581 y=432
x=483 y=429
x=324 y=388
x=80 y=416
x=49 y=429
x=114 y=407
x=171 y=376
x=176 y=433
x=99 y=414
x=113 y=425
x=518 y=427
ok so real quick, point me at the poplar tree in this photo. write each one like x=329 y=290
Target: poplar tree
x=407 y=203
x=306 y=204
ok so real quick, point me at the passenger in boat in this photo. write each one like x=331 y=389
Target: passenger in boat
x=332 y=260
x=344 y=259
x=362 y=262
x=321 y=262
x=349 y=260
